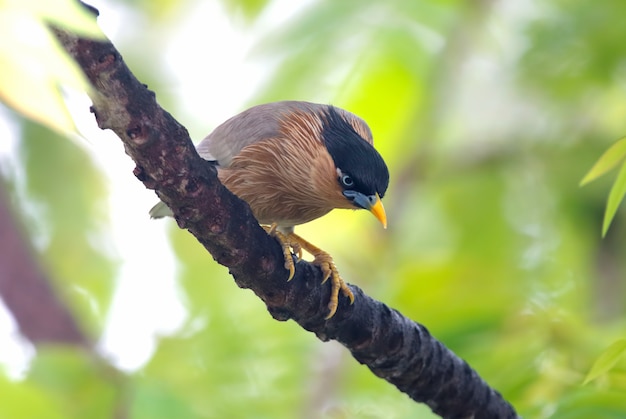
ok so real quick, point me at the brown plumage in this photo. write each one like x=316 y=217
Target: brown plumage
x=293 y=162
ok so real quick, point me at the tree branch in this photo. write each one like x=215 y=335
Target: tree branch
x=392 y=346
x=41 y=317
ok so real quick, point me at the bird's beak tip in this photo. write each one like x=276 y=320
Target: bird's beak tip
x=379 y=211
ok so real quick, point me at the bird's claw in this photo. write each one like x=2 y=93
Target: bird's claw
x=289 y=265
x=329 y=270
x=286 y=246
x=292 y=242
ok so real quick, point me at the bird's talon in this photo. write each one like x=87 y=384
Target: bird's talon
x=291 y=242
x=347 y=292
x=292 y=270
x=334 y=296
x=286 y=246
x=332 y=307
x=327 y=275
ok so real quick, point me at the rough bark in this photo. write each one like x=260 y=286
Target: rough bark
x=392 y=346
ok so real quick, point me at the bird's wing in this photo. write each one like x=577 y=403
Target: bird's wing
x=255 y=124
x=260 y=123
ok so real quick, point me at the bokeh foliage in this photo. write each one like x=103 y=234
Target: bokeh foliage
x=488 y=113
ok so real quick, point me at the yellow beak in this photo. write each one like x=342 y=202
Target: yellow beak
x=379 y=211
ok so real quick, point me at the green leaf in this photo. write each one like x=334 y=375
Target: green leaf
x=68 y=14
x=615 y=197
x=78 y=383
x=607 y=360
x=606 y=162
x=25 y=400
x=34 y=66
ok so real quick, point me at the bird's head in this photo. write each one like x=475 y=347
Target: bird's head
x=361 y=171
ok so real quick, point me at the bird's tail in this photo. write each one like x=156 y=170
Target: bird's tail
x=160 y=210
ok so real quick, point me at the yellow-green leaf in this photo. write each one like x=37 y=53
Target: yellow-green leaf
x=68 y=14
x=615 y=197
x=607 y=161
x=607 y=360
x=33 y=66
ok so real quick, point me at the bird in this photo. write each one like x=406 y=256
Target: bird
x=293 y=162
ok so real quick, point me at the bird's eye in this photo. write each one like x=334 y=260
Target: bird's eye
x=347 y=181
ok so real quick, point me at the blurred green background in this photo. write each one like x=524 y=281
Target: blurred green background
x=488 y=113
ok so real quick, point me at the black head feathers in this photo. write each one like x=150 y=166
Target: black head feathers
x=353 y=155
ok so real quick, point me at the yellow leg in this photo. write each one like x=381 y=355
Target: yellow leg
x=321 y=259
x=289 y=265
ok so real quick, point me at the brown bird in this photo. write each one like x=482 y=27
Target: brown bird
x=293 y=162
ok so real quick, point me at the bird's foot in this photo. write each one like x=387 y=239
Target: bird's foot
x=287 y=247
x=322 y=259
x=327 y=265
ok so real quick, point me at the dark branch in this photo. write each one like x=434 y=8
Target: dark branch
x=392 y=346
x=40 y=315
